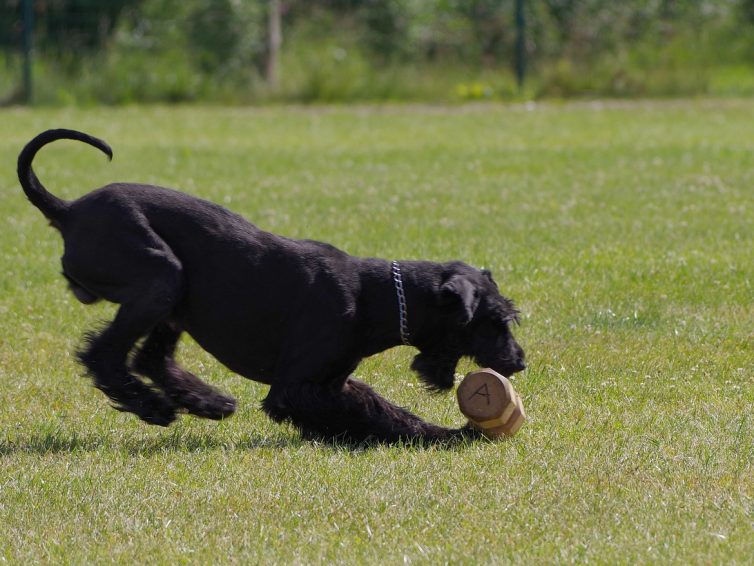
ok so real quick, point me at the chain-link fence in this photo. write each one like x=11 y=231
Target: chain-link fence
x=118 y=51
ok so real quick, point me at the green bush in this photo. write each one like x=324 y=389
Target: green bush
x=360 y=50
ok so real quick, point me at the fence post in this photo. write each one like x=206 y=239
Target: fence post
x=28 y=28
x=274 y=41
x=520 y=52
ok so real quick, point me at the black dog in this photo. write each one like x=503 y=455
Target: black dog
x=298 y=315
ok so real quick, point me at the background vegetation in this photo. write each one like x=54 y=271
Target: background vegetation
x=124 y=51
x=622 y=230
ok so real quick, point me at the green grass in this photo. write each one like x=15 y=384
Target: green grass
x=624 y=233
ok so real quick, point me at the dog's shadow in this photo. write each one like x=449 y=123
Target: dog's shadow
x=61 y=441
x=48 y=442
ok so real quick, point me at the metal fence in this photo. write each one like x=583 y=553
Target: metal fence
x=69 y=30
x=71 y=50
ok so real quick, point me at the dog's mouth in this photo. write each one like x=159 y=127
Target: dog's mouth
x=506 y=368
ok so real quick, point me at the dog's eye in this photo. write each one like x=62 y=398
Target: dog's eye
x=503 y=324
x=492 y=327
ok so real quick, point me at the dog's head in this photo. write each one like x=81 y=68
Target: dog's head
x=474 y=321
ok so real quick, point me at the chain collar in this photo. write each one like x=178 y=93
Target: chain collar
x=398 y=281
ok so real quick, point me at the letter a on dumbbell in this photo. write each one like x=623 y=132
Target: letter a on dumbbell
x=483 y=392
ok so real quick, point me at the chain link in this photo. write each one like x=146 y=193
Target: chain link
x=398 y=280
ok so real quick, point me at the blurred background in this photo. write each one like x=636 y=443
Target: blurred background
x=55 y=52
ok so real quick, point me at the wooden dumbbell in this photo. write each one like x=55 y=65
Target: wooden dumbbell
x=490 y=403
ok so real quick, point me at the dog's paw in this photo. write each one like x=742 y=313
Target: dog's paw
x=130 y=395
x=215 y=406
x=165 y=419
x=201 y=400
x=159 y=414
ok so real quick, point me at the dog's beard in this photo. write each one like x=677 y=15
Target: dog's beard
x=436 y=369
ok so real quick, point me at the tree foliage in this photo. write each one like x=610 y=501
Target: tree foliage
x=226 y=40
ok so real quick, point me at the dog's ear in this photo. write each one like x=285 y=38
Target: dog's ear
x=488 y=275
x=461 y=294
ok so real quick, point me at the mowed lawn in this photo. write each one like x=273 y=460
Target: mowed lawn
x=623 y=231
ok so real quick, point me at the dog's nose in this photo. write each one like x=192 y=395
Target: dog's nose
x=519 y=359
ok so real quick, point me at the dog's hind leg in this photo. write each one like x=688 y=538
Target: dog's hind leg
x=156 y=360
x=352 y=412
x=133 y=267
x=105 y=359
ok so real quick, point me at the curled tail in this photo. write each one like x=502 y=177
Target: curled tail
x=52 y=207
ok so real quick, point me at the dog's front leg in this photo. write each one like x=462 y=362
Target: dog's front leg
x=351 y=411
